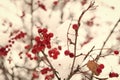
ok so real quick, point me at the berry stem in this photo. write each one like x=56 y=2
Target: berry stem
x=76 y=37
x=104 y=43
x=51 y=65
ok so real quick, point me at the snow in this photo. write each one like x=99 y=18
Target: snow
x=105 y=17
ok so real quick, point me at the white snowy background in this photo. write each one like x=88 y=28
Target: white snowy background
x=106 y=13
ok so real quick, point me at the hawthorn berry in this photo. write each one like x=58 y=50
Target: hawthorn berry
x=75 y=26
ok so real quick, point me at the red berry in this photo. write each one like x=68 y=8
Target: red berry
x=50 y=34
x=44 y=70
x=35 y=74
x=53 y=53
x=28 y=55
x=42 y=6
x=71 y=55
x=99 y=70
x=37 y=38
x=67 y=52
x=59 y=47
x=27 y=47
x=113 y=74
x=44 y=30
x=116 y=52
x=101 y=66
x=35 y=58
x=39 y=30
x=75 y=26
x=55 y=2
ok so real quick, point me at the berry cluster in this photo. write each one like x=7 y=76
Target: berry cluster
x=30 y=56
x=113 y=74
x=42 y=41
x=99 y=68
x=6 y=49
x=20 y=35
x=45 y=71
x=53 y=53
x=68 y=53
x=49 y=77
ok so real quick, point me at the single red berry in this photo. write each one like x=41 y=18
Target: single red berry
x=101 y=66
x=111 y=74
x=116 y=52
x=37 y=38
x=59 y=47
x=50 y=35
x=28 y=55
x=71 y=55
x=39 y=30
x=75 y=26
x=116 y=75
x=66 y=52
x=27 y=47
x=34 y=51
x=44 y=30
x=55 y=3
x=35 y=58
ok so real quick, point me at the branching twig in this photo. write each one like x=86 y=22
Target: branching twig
x=97 y=58
x=51 y=65
x=76 y=35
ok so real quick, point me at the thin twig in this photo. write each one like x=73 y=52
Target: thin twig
x=51 y=65
x=97 y=58
x=76 y=34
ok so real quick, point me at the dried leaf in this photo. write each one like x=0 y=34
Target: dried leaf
x=92 y=65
